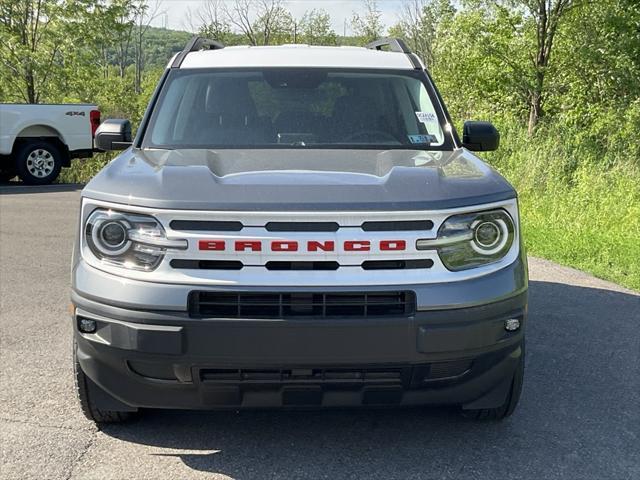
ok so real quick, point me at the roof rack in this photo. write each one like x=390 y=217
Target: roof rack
x=196 y=44
x=394 y=44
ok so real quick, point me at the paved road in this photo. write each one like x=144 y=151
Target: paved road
x=579 y=417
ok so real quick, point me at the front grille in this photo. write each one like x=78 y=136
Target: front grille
x=301 y=304
x=206 y=264
x=206 y=225
x=393 y=226
x=302 y=227
x=273 y=265
x=396 y=264
x=236 y=226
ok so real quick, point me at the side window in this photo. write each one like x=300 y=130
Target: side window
x=186 y=108
x=162 y=133
x=180 y=98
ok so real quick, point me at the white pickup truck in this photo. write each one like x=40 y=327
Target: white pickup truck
x=36 y=141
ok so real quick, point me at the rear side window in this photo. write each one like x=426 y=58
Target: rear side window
x=302 y=108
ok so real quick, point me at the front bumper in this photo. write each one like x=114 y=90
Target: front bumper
x=165 y=359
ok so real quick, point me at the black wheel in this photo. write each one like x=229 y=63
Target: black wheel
x=38 y=162
x=88 y=407
x=510 y=404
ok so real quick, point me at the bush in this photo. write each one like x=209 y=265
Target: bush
x=577 y=209
x=84 y=169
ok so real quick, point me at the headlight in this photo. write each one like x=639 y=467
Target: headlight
x=472 y=239
x=128 y=240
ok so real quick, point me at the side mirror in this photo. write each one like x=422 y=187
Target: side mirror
x=113 y=134
x=480 y=136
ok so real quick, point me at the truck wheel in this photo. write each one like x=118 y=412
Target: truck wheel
x=89 y=409
x=510 y=404
x=38 y=162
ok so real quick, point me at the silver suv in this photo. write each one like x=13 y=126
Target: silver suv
x=298 y=226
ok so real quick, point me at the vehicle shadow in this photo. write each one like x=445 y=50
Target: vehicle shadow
x=578 y=416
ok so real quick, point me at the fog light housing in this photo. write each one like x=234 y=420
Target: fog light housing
x=86 y=325
x=512 y=324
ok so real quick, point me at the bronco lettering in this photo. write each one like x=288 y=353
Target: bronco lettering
x=294 y=246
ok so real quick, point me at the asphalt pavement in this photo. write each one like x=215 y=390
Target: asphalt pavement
x=579 y=417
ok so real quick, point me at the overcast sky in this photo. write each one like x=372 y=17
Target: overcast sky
x=340 y=10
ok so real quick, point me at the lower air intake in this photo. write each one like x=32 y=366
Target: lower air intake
x=301 y=304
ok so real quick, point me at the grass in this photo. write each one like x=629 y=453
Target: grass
x=82 y=170
x=575 y=212
x=599 y=235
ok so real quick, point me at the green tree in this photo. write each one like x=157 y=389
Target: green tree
x=274 y=23
x=594 y=86
x=261 y=22
x=213 y=21
x=480 y=61
x=368 y=25
x=31 y=45
x=547 y=16
x=419 y=24
x=512 y=40
x=315 y=28
x=143 y=15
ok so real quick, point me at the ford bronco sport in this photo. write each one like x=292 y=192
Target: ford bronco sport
x=298 y=226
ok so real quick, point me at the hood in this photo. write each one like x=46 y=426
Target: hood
x=298 y=179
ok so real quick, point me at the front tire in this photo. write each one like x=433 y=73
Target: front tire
x=38 y=162
x=87 y=405
x=511 y=402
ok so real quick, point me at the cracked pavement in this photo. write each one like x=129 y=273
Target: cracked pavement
x=578 y=417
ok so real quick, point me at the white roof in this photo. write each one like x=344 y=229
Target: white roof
x=297 y=56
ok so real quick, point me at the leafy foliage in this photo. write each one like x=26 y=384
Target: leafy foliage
x=315 y=28
x=368 y=25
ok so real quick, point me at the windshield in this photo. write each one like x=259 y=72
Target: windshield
x=295 y=108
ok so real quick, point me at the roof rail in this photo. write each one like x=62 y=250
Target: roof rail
x=196 y=44
x=394 y=44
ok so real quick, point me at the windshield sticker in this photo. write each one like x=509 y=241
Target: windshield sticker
x=422 y=139
x=427 y=117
